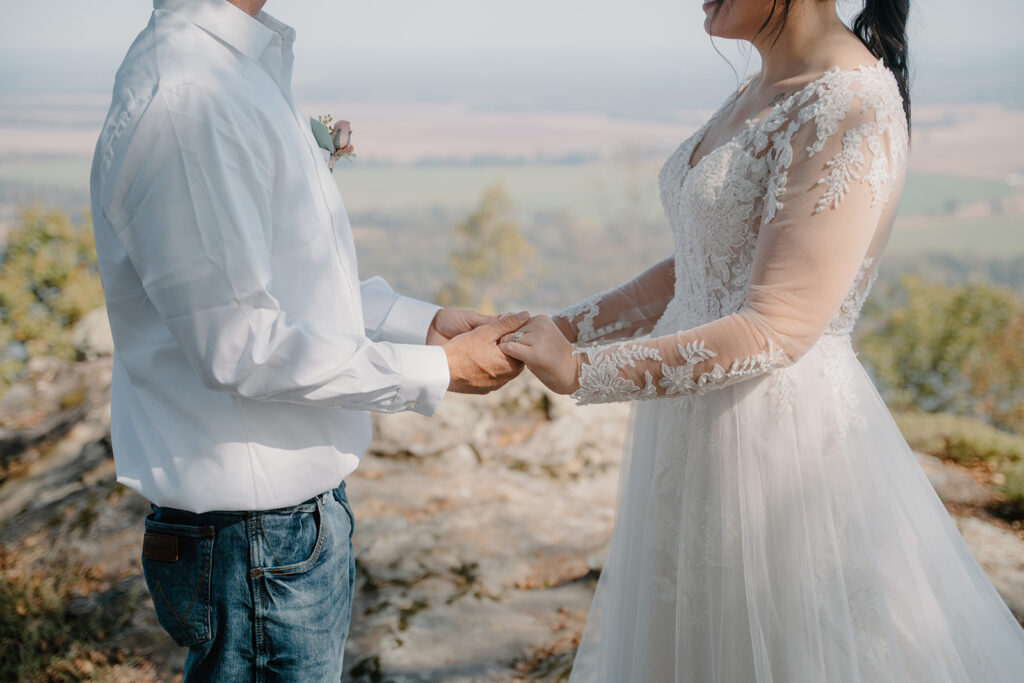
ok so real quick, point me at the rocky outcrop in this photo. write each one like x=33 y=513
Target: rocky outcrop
x=954 y=483
x=46 y=420
x=480 y=532
x=479 y=535
x=1000 y=552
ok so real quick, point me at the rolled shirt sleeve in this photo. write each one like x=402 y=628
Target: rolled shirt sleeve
x=391 y=317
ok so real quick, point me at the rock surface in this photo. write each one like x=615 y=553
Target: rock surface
x=91 y=335
x=479 y=536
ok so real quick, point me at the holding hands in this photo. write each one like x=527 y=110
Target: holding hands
x=542 y=346
x=486 y=352
x=476 y=364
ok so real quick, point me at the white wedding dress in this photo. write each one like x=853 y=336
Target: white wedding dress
x=773 y=525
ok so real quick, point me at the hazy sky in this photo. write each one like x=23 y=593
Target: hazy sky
x=965 y=27
x=623 y=57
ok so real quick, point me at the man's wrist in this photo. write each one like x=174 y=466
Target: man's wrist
x=434 y=337
x=410 y=321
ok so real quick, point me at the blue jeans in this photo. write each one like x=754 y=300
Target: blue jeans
x=255 y=596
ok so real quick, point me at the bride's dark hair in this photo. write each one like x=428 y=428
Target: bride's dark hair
x=881 y=26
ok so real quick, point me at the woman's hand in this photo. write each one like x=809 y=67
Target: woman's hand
x=546 y=352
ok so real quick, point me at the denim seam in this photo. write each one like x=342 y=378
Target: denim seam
x=259 y=644
x=266 y=540
x=347 y=507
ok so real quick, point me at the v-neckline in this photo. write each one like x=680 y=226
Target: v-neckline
x=750 y=123
x=702 y=133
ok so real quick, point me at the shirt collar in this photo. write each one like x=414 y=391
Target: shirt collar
x=249 y=35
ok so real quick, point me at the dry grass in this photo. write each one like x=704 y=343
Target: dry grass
x=44 y=638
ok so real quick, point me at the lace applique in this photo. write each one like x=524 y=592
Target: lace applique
x=679 y=380
x=835 y=91
x=589 y=309
x=839 y=372
x=600 y=381
x=849 y=311
x=783 y=391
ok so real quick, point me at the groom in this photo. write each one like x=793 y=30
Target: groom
x=247 y=351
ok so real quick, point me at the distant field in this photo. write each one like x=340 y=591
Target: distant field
x=998 y=236
x=66 y=175
x=594 y=191
x=929 y=194
x=587 y=191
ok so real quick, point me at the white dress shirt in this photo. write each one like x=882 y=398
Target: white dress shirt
x=247 y=352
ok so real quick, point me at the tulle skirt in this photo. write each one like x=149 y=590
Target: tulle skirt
x=780 y=530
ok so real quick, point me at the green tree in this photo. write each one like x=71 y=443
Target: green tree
x=948 y=349
x=48 y=281
x=490 y=257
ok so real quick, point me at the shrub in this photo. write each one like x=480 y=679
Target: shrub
x=958 y=349
x=48 y=281
x=961 y=439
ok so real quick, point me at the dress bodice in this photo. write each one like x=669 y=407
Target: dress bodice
x=713 y=210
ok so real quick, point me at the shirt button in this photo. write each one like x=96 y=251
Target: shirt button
x=413 y=405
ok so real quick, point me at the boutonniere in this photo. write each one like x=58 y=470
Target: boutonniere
x=336 y=138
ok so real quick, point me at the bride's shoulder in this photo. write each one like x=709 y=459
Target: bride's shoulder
x=854 y=117
x=854 y=95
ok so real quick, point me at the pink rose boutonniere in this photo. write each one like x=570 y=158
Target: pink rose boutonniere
x=336 y=138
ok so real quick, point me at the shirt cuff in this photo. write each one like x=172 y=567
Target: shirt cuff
x=424 y=378
x=408 y=321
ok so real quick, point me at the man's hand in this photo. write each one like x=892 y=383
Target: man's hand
x=476 y=364
x=450 y=323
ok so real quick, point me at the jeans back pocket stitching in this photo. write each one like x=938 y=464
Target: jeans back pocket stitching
x=207 y=532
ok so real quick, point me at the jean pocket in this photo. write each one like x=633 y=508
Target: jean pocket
x=292 y=538
x=177 y=560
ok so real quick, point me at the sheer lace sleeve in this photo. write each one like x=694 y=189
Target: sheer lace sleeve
x=627 y=311
x=834 y=162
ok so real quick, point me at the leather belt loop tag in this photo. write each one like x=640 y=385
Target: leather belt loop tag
x=160 y=547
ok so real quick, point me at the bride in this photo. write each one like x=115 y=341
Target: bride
x=772 y=523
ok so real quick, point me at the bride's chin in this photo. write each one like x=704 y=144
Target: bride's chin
x=709 y=14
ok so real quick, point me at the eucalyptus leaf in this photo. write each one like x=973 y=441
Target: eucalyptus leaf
x=322 y=135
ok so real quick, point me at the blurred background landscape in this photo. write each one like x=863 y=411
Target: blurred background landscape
x=507 y=158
